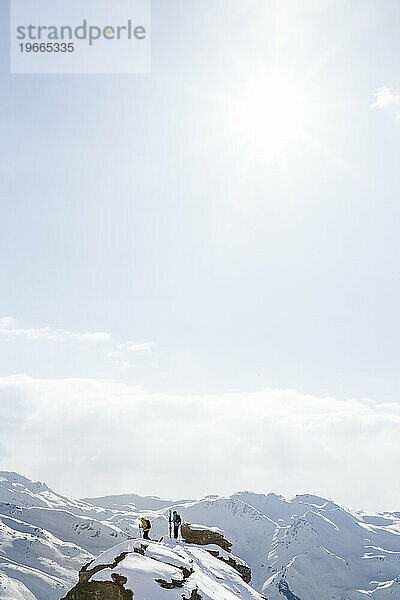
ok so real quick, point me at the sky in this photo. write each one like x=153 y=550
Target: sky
x=200 y=266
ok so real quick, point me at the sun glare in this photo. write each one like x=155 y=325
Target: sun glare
x=271 y=117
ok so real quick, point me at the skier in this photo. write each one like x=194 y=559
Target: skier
x=176 y=519
x=146 y=526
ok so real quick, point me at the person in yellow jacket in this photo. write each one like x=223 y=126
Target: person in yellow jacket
x=146 y=526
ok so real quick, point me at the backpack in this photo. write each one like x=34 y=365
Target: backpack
x=148 y=524
x=178 y=519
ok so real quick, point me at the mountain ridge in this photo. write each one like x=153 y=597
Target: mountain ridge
x=305 y=547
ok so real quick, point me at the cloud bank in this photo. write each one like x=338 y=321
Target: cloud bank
x=89 y=437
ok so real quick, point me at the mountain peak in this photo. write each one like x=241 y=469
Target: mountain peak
x=170 y=570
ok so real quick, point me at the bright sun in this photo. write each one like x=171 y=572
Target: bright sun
x=271 y=116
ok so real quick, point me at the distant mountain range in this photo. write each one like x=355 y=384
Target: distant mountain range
x=305 y=548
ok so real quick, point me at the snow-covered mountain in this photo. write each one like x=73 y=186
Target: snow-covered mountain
x=166 y=570
x=304 y=548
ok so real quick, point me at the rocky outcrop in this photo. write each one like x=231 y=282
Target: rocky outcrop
x=91 y=589
x=101 y=590
x=233 y=561
x=204 y=536
x=211 y=536
x=148 y=570
x=193 y=596
x=104 y=590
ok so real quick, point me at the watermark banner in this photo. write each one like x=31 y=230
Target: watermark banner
x=80 y=36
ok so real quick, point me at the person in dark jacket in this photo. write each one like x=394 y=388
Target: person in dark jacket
x=176 y=519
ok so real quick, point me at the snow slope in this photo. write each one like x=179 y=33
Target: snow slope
x=172 y=570
x=304 y=548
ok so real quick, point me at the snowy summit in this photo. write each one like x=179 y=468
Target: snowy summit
x=166 y=570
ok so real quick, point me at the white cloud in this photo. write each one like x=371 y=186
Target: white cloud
x=135 y=347
x=9 y=329
x=6 y=322
x=119 y=360
x=119 y=353
x=385 y=97
x=91 y=437
x=121 y=356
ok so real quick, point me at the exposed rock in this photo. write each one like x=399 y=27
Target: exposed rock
x=100 y=590
x=150 y=570
x=193 y=596
x=233 y=561
x=174 y=583
x=284 y=589
x=170 y=585
x=85 y=573
x=204 y=536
